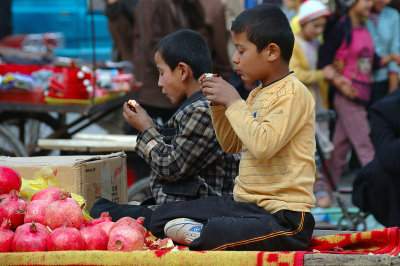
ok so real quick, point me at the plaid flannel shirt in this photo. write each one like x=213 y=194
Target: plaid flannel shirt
x=186 y=159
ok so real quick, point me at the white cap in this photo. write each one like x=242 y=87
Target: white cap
x=312 y=9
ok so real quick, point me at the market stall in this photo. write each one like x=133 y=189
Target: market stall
x=34 y=100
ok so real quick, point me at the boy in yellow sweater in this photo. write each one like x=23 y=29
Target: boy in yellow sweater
x=270 y=208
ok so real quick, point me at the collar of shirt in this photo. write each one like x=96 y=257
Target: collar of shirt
x=194 y=97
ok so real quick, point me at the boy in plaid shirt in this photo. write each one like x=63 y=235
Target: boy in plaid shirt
x=186 y=159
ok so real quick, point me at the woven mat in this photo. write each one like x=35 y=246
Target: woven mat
x=383 y=241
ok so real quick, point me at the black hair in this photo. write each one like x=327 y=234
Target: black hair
x=186 y=46
x=265 y=24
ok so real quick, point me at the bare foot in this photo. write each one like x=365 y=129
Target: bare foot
x=324 y=202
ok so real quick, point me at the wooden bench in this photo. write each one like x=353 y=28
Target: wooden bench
x=318 y=232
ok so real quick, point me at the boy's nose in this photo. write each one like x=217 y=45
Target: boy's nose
x=235 y=58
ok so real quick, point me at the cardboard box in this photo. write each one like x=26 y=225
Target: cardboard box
x=91 y=176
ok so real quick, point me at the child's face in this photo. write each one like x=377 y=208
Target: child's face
x=365 y=64
x=250 y=64
x=380 y=4
x=362 y=8
x=170 y=81
x=313 y=28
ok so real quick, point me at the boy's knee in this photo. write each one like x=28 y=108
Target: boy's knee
x=157 y=223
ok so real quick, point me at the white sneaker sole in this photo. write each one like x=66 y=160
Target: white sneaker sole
x=188 y=236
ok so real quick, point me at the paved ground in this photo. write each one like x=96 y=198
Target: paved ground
x=329 y=218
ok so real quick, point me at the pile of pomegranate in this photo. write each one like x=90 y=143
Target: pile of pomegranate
x=53 y=221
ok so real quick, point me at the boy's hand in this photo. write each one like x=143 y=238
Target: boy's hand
x=218 y=91
x=339 y=65
x=347 y=88
x=139 y=119
x=329 y=72
x=393 y=81
x=395 y=58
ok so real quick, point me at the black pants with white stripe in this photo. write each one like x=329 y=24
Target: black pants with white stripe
x=232 y=225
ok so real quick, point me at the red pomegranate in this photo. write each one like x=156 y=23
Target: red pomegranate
x=6 y=236
x=30 y=240
x=132 y=223
x=65 y=238
x=125 y=238
x=36 y=211
x=64 y=210
x=9 y=180
x=95 y=238
x=14 y=209
x=106 y=227
x=50 y=194
x=25 y=227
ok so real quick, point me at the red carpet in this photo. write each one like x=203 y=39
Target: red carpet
x=383 y=241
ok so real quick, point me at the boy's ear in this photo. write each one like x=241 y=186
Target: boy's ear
x=273 y=52
x=184 y=70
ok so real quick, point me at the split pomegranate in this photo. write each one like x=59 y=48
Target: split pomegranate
x=30 y=240
x=36 y=211
x=50 y=194
x=104 y=217
x=125 y=238
x=65 y=238
x=84 y=224
x=64 y=210
x=6 y=236
x=14 y=209
x=9 y=180
x=138 y=224
x=94 y=237
x=4 y=197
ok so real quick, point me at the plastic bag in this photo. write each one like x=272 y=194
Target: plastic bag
x=44 y=178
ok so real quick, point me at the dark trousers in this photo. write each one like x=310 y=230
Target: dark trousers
x=117 y=211
x=232 y=225
x=379 y=90
x=375 y=190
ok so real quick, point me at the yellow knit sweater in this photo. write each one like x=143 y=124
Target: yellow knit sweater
x=274 y=130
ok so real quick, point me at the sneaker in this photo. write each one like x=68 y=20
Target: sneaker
x=183 y=230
